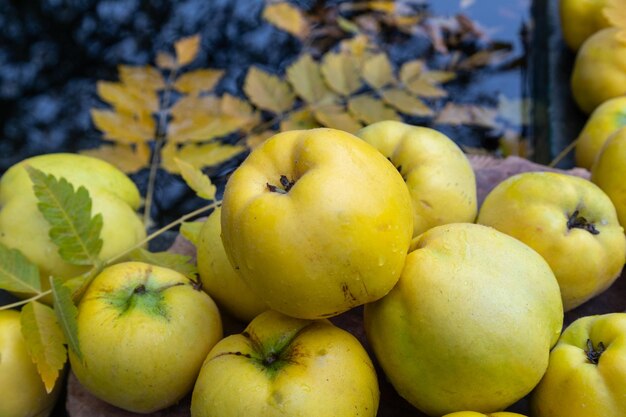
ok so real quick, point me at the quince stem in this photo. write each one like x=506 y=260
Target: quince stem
x=593 y=354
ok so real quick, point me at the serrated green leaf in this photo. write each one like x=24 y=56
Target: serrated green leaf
x=267 y=91
x=44 y=340
x=339 y=71
x=177 y=262
x=305 y=77
x=196 y=180
x=191 y=231
x=66 y=313
x=371 y=110
x=17 y=273
x=378 y=72
x=72 y=228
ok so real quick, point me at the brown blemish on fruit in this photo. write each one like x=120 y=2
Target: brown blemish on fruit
x=579 y=222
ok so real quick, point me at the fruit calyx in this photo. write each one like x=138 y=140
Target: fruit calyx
x=593 y=354
x=579 y=222
x=285 y=185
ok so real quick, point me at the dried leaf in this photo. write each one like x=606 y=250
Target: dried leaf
x=438 y=77
x=467 y=114
x=241 y=110
x=191 y=231
x=299 y=120
x=406 y=103
x=44 y=341
x=339 y=71
x=187 y=49
x=200 y=156
x=198 y=81
x=306 y=78
x=66 y=313
x=337 y=118
x=68 y=212
x=17 y=273
x=166 y=61
x=423 y=88
x=252 y=141
x=371 y=110
x=128 y=100
x=268 y=91
x=141 y=78
x=196 y=180
x=484 y=58
x=127 y=158
x=287 y=17
x=378 y=71
x=411 y=70
x=174 y=261
x=123 y=128
x=422 y=82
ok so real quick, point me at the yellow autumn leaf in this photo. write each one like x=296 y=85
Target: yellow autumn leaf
x=467 y=114
x=438 y=77
x=422 y=82
x=202 y=128
x=378 y=72
x=44 y=340
x=299 y=120
x=371 y=110
x=126 y=99
x=337 y=118
x=191 y=231
x=339 y=71
x=127 y=158
x=423 y=88
x=141 y=78
x=306 y=78
x=198 y=81
x=198 y=155
x=123 y=128
x=252 y=141
x=405 y=102
x=196 y=180
x=267 y=91
x=411 y=70
x=166 y=61
x=187 y=49
x=241 y=110
x=484 y=58
x=287 y=17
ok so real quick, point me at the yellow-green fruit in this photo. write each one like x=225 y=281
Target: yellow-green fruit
x=282 y=366
x=609 y=172
x=475 y=414
x=470 y=324
x=219 y=279
x=143 y=332
x=586 y=376
x=580 y=19
x=121 y=229
x=317 y=222
x=437 y=173
x=600 y=69
x=79 y=170
x=22 y=392
x=609 y=117
x=570 y=221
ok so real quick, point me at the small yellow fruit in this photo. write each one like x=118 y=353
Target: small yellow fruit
x=580 y=19
x=609 y=172
x=600 y=69
x=475 y=414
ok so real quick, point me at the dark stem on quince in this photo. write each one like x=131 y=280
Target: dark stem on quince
x=593 y=354
x=579 y=222
x=286 y=184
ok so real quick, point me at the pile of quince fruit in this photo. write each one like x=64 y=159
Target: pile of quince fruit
x=463 y=306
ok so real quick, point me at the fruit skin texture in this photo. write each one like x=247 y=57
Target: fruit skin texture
x=538 y=208
x=574 y=386
x=470 y=323
x=580 y=19
x=475 y=414
x=609 y=172
x=609 y=117
x=218 y=277
x=22 y=390
x=113 y=195
x=283 y=366
x=335 y=239
x=144 y=332
x=438 y=174
x=599 y=70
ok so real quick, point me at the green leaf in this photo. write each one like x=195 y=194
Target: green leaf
x=67 y=313
x=196 y=179
x=191 y=231
x=44 y=340
x=169 y=260
x=72 y=229
x=17 y=273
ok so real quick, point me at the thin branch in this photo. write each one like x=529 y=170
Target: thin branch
x=26 y=301
x=563 y=154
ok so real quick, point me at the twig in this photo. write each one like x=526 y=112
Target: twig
x=563 y=154
x=26 y=301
